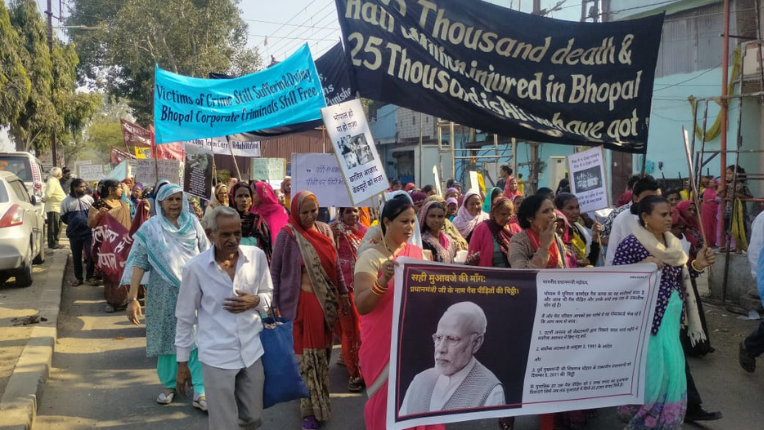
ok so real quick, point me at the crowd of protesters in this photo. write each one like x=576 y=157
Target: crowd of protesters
x=223 y=264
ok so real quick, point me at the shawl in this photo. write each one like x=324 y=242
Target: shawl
x=464 y=222
x=352 y=234
x=555 y=260
x=442 y=244
x=509 y=192
x=170 y=248
x=673 y=255
x=448 y=227
x=501 y=234
x=320 y=258
x=270 y=210
x=322 y=245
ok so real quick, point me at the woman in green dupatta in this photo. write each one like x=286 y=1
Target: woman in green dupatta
x=307 y=287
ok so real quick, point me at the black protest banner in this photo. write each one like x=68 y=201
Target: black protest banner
x=335 y=77
x=507 y=72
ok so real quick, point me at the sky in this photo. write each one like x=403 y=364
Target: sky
x=287 y=24
x=295 y=22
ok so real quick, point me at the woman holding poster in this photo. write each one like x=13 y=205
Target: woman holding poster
x=584 y=246
x=665 y=380
x=307 y=288
x=348 y=234
x=374 y=289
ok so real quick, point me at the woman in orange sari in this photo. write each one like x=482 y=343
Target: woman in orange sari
x=307 y=288
x=374 y=299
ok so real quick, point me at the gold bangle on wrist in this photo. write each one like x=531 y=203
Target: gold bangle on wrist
x=695 y=268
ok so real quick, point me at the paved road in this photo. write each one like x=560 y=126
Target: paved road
x=102 y=379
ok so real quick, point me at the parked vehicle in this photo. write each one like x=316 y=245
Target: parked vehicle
x=22 y=231
x=27 y=167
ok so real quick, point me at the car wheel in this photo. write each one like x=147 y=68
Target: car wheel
x=24 y=275
x=40 y=257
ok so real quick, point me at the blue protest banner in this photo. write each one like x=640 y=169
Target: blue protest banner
x=192 y=108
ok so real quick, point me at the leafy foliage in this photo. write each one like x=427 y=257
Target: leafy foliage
x=126 y=39
x=14 y=82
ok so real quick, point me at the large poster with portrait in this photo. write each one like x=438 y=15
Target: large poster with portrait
x=471 y=343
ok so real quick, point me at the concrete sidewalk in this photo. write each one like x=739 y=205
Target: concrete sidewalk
x=24 y=389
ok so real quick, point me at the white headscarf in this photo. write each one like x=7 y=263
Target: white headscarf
x=170 y=248
x=464 y=222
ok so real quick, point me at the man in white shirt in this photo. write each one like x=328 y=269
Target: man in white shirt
x=458 y=380
x=224 y=289
x=626 y=221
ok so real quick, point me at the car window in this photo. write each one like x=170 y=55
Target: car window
x=20 y=190
x=20 y=166
x=3 y=193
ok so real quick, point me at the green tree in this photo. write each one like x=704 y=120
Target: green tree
x=14 y=82
x=189 y=37
x=38 y=120
x=104 y=130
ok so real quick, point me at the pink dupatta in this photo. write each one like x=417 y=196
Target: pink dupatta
x=269 y=209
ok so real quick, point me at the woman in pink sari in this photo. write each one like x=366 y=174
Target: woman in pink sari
x=710 y=211
x=266 y=204
x=374 y=299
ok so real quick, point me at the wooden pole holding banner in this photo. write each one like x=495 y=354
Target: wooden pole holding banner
x=235 y=163
x=694 y=186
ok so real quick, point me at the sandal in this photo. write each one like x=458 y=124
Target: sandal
x=746 y=359
x=200 y=402
x=76 y=283
x=309 y=423
x=355 y=385
x=507 y=423
x=166 y=397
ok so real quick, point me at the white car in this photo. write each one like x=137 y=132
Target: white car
x=22 y=231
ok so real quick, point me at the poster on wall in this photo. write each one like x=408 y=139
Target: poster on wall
x=355 y=150
x=197 y=172
x=521 y=342
x=586 y=172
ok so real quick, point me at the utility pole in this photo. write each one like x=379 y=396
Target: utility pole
x=49 y=12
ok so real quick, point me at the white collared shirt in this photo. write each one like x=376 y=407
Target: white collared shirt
x=226 y=340
x=624 y=225
x=446 y=386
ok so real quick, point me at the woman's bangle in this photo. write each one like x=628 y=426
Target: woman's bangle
x=695 y=268
x=378 y=290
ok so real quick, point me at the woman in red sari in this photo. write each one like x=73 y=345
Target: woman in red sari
x=348 y=233
x=307 y=288
x=374 y=298
x=266 y=204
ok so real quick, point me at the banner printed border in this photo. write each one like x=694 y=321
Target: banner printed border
x=400 y=302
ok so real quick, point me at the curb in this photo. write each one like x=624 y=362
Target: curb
x=18 y=406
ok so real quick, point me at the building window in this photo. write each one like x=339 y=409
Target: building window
x=413 y=120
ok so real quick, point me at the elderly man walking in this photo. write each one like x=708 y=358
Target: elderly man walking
x=54 y=195
x=224 y=290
